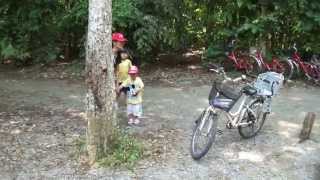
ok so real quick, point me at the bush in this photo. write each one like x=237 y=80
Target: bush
x=42 y=31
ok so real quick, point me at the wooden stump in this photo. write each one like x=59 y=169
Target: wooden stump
x=307 y=126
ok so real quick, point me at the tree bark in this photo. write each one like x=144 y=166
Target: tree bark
x=263 y=42
x=100 y=80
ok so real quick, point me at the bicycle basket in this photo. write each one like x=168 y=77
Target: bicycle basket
x=225 y=90
x=269 y=83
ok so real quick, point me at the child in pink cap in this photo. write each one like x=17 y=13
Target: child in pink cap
x=134 y=87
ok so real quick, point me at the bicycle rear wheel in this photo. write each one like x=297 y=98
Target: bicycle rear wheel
x=314 y=72
x=317 y=71
x=204 y=134
x=252 y=120
x=288 y=69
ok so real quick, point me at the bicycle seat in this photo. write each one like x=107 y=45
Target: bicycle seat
x=249 y=90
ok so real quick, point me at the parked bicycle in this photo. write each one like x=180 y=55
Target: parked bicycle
x=310 y=70
x=238 y=61
x=280 y=66
x=245 y=110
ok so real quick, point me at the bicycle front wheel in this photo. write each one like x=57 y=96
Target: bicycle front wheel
x=204 y=134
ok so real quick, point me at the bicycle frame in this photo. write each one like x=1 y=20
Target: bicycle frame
x=239 y=63
x=234 y=118
x=274 y=65
x=310 y=71
x=296 y=57
x=240 y=112
x=231 y=55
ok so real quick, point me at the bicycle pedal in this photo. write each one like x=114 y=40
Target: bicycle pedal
x=229 y=125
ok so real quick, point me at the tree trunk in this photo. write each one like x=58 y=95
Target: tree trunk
x=67 y=47
x=263 y=43
x=100 y=80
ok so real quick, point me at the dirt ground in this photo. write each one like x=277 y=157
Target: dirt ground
x=41 y=117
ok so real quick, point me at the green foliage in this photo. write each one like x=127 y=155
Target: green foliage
x=125 y=151
x=278 y=22
x=42 y=31
x=148 y=24
x=8 y=51
x=214 y=53
x=80 y=146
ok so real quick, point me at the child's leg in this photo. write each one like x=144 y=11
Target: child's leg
x=130 y=114
x=137 y=113
x=117 y=86
x=136 y=120
x=130 y=119
x=122 y=92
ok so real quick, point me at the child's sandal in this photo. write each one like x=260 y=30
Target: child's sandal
x=131 y=121
x=136 y=121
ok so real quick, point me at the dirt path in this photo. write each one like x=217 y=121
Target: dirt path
x=39 y=119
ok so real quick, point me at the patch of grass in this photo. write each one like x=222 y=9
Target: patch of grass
x=80 y=147
x=126 y=151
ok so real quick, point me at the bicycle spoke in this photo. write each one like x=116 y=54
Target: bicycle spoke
x=255 y=118
x=204 y=135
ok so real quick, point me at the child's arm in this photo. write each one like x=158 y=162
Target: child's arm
x=130 y=63
x=124 y=84
x=117 y=71
x=141 y=86
x=119 y=88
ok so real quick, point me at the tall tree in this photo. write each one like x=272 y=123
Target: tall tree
x=100 y=99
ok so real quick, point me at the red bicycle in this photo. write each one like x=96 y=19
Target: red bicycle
x=311 y=71
x=238 y=61
x=280 y=66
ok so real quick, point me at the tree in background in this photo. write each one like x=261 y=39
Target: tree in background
x=42 y=31
x=48 y=30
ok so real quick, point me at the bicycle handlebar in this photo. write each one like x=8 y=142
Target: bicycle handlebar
x=220 y=70
x=241 y=78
